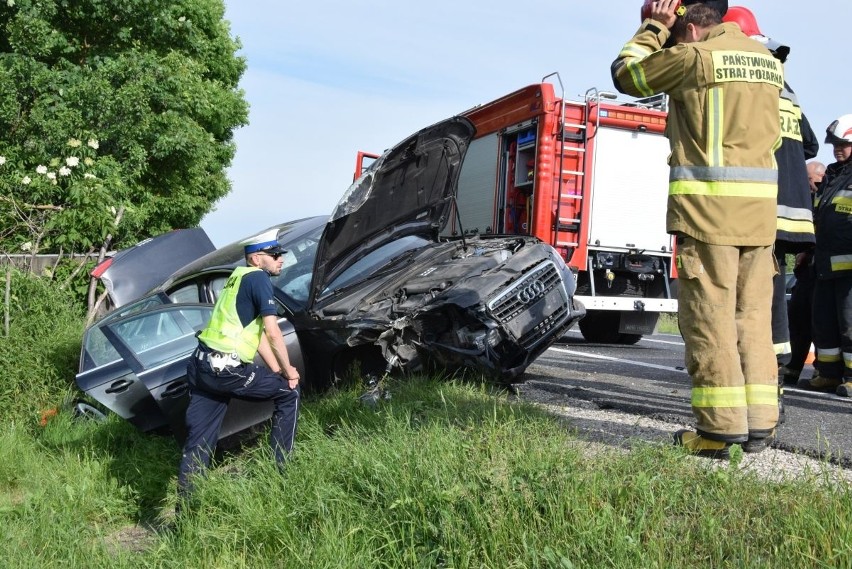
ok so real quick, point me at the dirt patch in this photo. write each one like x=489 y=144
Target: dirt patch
x=135 y=539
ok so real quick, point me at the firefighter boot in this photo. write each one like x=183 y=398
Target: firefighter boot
x=702 y=446
x=758 y=444
x=820 y=383
x=788 y=375
x=845 y=388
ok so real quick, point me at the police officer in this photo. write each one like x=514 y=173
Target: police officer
x=832 y=308
x=723 y=129
x=244 y=323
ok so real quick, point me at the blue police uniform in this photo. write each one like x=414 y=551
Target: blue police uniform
x=218 y=372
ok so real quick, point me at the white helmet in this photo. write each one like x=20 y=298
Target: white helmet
x=840 y=131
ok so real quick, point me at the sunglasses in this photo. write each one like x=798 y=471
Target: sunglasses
x=275 y=256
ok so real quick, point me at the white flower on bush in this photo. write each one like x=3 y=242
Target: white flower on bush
x=26 y=181
x=89 y=175
x=41 y=169
x=88 y=161
x=93 y=143
x=26 y=246
x=72 y=161
x=51 y=175
x=65 y=171
x=2 y=160
x=74 y=143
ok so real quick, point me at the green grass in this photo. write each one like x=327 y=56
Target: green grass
x=667 y=324
x=40 y=354
x=443 y=475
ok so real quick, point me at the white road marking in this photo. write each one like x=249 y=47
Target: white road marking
x=787 y=389
x=661 y=342
x=645 y=338
x=619 y=360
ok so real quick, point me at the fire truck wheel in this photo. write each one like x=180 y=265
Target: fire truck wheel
x=601 y=327
x=629 y=339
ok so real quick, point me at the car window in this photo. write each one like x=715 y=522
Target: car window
x=97 y=349
x=295 y=278
x=186 y=293
x=375 y=260
x=162 y=335
x=217 y=284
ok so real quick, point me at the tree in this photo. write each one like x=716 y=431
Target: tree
x=113 y=106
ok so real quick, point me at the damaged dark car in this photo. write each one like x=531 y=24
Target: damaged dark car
x=372 y=289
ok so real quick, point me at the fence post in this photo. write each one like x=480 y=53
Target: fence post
x=6 y=302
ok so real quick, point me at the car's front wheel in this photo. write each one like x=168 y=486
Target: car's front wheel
x=358 y=365
x=85 y=411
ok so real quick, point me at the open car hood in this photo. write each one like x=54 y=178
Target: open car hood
x=407 y=191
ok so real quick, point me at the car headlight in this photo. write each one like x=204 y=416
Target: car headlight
x=493 y=338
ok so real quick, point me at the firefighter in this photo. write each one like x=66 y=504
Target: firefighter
x=795 y=232
x=832 y=308
x=724 y=90
x=244 y=323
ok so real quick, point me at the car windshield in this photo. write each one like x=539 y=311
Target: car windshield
x=295 y=278
x=374 y=261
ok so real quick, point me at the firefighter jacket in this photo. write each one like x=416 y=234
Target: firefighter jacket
x=225 y=333
x=833 y=220
x=723 y=129
x=798 y=144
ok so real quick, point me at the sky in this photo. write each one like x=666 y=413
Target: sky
x=326 y=79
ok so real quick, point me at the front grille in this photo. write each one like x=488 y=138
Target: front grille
x=543 y=328
x=533 y=305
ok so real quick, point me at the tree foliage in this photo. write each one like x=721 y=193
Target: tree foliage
x=113 y=105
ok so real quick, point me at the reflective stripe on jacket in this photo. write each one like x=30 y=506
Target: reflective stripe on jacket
x=225 y=333
x=723 y=128
x=798 y=143
x=833 y=218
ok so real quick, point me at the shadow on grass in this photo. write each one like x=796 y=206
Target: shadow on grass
x=146 y=464
x=143 y=463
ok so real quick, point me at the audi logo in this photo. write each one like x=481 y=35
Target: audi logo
x=530 y=292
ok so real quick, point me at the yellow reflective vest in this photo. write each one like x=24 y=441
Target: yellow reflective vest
x=723 y=129
x=225 y=333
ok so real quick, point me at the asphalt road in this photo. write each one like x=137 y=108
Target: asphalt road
x=648 y=379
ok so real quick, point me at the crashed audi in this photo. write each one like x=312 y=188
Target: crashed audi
x=372 y=289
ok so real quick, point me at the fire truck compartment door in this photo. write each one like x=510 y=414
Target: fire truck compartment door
x=629 y=191
x=476 y=196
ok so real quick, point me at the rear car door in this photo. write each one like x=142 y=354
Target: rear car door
x=143 y=357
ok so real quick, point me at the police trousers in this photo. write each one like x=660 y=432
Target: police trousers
x=832 y=327
x=724 y=305
x=210 y=392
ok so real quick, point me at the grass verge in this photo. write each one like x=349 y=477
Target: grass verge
x=443 y=475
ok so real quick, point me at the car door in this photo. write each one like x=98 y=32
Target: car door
x=206 y=288
x=144 y=381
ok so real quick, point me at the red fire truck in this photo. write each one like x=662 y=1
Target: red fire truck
x=589 y=177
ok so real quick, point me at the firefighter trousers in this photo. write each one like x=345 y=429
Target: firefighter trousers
x=832 y=327
x=724 y=314
x=799 y=315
